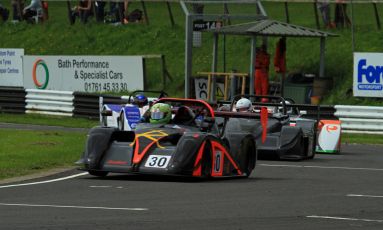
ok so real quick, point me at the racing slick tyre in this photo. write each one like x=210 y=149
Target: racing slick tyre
x=121 y=122
x=97 y=173
x=247 y=156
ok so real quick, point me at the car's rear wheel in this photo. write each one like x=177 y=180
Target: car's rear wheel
x=97 y=173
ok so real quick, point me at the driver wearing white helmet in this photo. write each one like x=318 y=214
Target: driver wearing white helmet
x=243 y=105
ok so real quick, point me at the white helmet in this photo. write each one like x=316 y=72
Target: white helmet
x=289 y=110
x=243 y=104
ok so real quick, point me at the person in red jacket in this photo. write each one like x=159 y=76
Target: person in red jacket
x=262 y=62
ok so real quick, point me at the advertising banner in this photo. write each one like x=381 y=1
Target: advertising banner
x=368 y=75
x=84 y=73
x=200 y=85
x=11 y=67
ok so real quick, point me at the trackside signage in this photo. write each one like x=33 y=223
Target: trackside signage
x=368 y=74
x=83 y=73
x=11 y=67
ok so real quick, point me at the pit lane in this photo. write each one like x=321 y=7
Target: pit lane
x=343 y=191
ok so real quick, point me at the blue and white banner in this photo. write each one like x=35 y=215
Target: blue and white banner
x=368 y=74
x=11 y=67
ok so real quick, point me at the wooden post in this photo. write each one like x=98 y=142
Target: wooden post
x=316 y=14
x=287 y=12
x=226 y=87
x=69 y=11
x=376 y=15
x=208 y=86
x=170 y=14
x=243 y=85
x=145 y=12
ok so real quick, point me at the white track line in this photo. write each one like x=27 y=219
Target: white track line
x=79 y=207
x=100 y=186
x=343 y=218
x=321 y=167
x=369 y=196
x=44 y=182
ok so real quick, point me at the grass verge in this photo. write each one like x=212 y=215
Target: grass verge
x=26 y=152
x=37 y=119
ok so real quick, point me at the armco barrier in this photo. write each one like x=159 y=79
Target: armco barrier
x=50 y=102
x=360 y=119
x=12 y=100
x=317 y=112
x=86 y=105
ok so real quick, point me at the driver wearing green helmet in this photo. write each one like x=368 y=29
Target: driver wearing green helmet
x=160 y=113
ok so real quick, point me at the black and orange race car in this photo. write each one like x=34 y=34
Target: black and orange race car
x=193 y=144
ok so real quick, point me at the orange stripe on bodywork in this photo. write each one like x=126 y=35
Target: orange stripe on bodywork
x=137 y=158
x=198 y=161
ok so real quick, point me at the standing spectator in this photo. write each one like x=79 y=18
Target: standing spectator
x=4 y=13
x=33 y=9
x=117 y=12
x=17 y=6
x=324 y=8
x=262 y=62
x=341 y=17
x=82 y=10
x=100 y=10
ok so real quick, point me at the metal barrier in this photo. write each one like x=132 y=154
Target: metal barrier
x=49 y=102
x=86 y=105
x=360 y=119
x=12 y=100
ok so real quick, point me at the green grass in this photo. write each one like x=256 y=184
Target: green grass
x=48 y=120
x=25 y=152
x=362 y=138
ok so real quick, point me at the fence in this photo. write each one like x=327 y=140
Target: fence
x=49 y=102
x=360 y=119
x=12 y=100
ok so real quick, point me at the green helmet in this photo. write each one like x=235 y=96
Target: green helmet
x=160 y=113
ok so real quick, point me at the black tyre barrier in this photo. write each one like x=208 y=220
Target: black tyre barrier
x=12 y=100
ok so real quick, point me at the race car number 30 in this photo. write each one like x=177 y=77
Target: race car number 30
x=157 y=161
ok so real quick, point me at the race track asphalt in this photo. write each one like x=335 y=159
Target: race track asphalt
x=343 y=191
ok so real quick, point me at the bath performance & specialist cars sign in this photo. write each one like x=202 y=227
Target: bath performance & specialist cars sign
x=83 y=73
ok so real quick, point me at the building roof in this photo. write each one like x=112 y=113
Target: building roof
x=270 y=27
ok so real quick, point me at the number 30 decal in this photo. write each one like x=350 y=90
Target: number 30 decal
x=157 y=161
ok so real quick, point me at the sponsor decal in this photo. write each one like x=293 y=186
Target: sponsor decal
x=330 y=128
x=369 y=76
x=39 y=85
